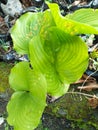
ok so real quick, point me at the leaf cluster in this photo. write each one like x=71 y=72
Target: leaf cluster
x=57 y=55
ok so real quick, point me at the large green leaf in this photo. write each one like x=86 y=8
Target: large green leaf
x=69 y=54
x=20 y=76
x=75 y=26
x=41 y=63
x=58 y=58
x=25 y=110
x=32 y=24
x=87 y=16
x=23 y=78
x=27 y=26
x=29 y=100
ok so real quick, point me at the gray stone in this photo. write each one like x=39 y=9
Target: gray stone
x=12 y=7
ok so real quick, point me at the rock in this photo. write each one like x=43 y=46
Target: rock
x=1 y=120
x=95 y=4
x=74 y=107
x=12 y=8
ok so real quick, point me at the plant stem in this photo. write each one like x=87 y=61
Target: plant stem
x=84 y=94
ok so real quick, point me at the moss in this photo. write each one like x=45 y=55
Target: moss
x=4 y=73
x=75 y=108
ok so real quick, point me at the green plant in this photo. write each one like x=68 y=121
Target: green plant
x=57 y=58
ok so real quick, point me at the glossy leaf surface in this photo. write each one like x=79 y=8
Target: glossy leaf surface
x=42 y=64
x=86 y=16
x=27 y=26
x=65 y=51
x=29 y=100
x=58 y=58
x=77 y=25
x=25 y=111
x=23 y=78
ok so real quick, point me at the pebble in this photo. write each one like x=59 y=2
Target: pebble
x=1 y=120
x=12 y=8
